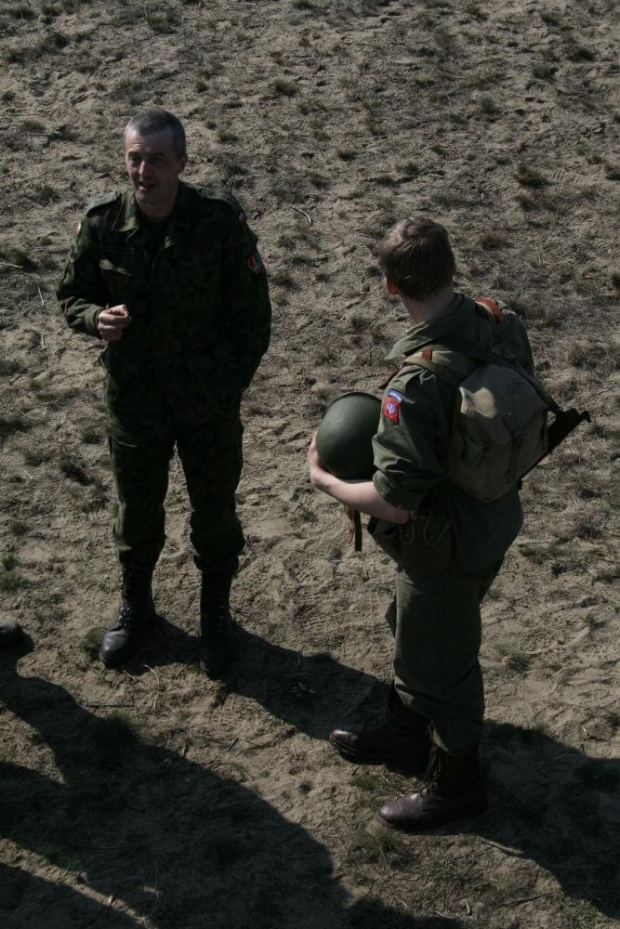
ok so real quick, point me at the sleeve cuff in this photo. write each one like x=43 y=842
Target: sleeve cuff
x=397 y=495
x=90 y=318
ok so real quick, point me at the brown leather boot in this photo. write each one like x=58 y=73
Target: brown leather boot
x=454 y=788
x=402 y=742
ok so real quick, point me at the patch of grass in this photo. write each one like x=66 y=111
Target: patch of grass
x=358 y=322
x=346 y=154
x=63 y=858
x=318 y=180
x=47 y=195
x=18 y=528
x=577 y=53
x=9 y=561
x=225 y=136
x=474 y=9
x=97 y=497
x=376 y=845
x=282 y=278
x=163 y=22
x=91 y=436
x=73 y=470
x=284 y=88
x=366 y=781
x=513 y=656
x=33 y=125
x=10 y=366
x=612 y=171
x=18 y=10
x=488 y=106
x=17 y=256
x=11 y=581
x=129 y=89
x=9 y=425
x=528 y=176
x=493 y=240
x=51 y=615
x=410 y=168
x=544 y=71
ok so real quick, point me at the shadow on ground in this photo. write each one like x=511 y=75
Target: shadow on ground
x=144 y=837
x=314 y=693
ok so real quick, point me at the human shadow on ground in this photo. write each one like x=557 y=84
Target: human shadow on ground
x=155 y=838
x=312 y=692
x=555 y=805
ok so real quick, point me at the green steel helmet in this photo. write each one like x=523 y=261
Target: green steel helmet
x=344 y=437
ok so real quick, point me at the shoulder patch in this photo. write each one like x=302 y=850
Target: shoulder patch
x=391 y=405
x=101 y=200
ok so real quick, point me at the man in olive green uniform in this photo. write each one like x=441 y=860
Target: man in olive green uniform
x=436 y=705
x=168 y=276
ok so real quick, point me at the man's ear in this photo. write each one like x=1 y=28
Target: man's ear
x=182 y=163
x=391 y=287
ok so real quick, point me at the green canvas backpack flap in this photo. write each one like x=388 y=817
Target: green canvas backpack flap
x=500 y=426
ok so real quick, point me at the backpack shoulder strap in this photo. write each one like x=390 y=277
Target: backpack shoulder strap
x=451 y=366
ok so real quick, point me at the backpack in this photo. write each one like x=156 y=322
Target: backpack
x=500 y=425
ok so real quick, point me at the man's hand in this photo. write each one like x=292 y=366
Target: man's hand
x=112 y=321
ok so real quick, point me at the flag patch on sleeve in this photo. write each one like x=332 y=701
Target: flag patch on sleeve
x=391 y=405
x=255 y=264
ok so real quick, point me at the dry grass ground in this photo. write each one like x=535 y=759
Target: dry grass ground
x=151 y=797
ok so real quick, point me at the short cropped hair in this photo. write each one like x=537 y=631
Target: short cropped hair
x=417 y=256
x=156 y=119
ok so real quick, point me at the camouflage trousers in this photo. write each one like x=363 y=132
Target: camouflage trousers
x=211 y=456
x=436 y=625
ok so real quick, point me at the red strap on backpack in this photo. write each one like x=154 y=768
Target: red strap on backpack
x=493 y=307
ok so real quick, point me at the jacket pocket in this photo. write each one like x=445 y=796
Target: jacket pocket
x=423 y=545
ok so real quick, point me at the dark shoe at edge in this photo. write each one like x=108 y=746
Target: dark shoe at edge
x=218 y=647
x=388 y=744
x=218 y=642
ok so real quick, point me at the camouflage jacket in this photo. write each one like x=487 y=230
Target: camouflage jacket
x=411 y=445
x=198 y=298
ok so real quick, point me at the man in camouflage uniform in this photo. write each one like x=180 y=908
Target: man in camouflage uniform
x=436 y=704
x=168 y=276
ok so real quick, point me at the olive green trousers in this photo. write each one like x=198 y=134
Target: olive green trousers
x=212 y=462
x=436 y=625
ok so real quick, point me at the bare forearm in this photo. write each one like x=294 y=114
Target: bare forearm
x=362 y=496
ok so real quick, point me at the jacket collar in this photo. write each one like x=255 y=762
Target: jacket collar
x=460 y=319
x=130 y=218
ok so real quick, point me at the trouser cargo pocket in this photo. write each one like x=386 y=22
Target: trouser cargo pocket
x=423 y=545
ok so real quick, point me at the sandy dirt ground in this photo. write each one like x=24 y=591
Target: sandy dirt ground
x=152 y=797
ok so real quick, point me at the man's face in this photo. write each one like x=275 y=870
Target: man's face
x=154 y=169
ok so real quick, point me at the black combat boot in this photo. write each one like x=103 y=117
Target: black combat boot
x=11 y=633
x=218 y=644
x=454 y=788
x=135 y=613
x=402 y=742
